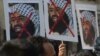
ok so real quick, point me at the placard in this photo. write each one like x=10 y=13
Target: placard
x=23 y=18
x=88 y=24
x=60 y=20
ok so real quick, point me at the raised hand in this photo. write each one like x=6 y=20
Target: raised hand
x=62 y=50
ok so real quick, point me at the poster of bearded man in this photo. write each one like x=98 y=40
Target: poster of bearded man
x=88 y=24
x=60 y=20
x=24 y=18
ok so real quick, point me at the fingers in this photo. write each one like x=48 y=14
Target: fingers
x=62 y=45
x=62 y=49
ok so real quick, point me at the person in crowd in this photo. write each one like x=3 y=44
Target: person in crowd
x=36 y=46
x=86 y=53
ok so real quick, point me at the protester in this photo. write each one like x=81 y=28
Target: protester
x=35 y=46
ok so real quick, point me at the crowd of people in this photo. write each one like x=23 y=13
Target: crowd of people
x=35 y=46
x=39 y=46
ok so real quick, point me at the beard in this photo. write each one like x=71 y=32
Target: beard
x=14 y=31
x=89 y=37
x=60 y=27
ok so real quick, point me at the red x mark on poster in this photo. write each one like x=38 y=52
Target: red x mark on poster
x=24 y=26
x=60 y=17
x=16 y=18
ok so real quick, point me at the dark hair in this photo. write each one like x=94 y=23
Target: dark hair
x=10 y=50
x=85 y=53
x=34 y=48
